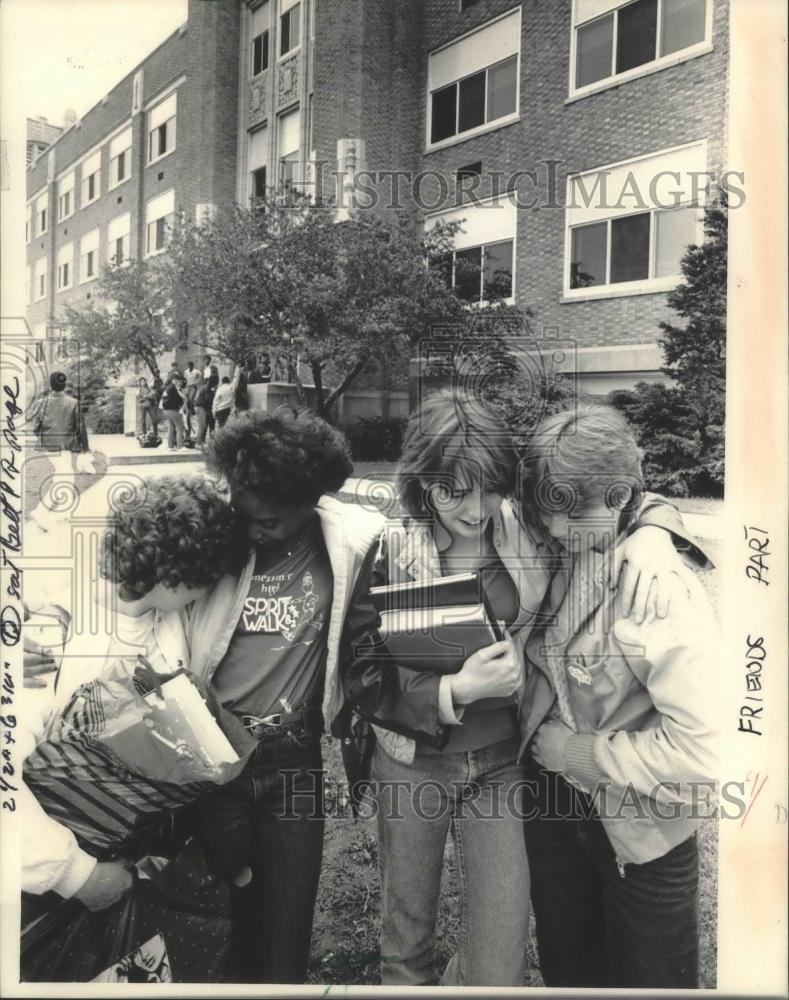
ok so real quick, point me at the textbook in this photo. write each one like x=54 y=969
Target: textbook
x=436 y=624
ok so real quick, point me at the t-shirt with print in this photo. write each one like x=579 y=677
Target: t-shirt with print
x=277 y=656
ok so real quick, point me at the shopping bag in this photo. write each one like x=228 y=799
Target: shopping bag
x=183 y=904
x=106 y=772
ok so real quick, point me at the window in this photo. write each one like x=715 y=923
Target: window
x=258 y=162
x=473 y=82
x=28 y=223
x=629 y=224
x=91 y=179
x=159 y=218
x=161 y=129
x=470 y=170
x=120 y=158
x=465 y=4
x=259 y=32
x=289 y=144
x=41 y=214
x=289 y=28
x=66 y=197
x=118 y=232
x=481 y=268
x=40 y=279
x=28 y=285
x=65 y=261
x=612 y=38
x=89 y=256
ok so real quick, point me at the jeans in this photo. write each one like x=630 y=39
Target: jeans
x=202 y=424
x=599 y=926
x=175 y=428
x=221 y=417
x=269 y=819
x=478 y=794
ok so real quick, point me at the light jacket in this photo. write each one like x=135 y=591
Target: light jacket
x=403 y=703
x=642 y=701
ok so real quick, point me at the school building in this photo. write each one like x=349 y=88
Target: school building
x=573 y=140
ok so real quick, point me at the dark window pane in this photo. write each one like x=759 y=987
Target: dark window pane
x=284 y=34
x=468 y=273
x=465 y=4
x=684 y=23
x=259 y=184
x=470 y=170
x=502 y=88
x=444 y=113
x=472 y=102
x=630 y=248
x=260 y=53
x=498 y=270
x=637 y=35
x=121 y=166
x=588 y=255
x=594 y=45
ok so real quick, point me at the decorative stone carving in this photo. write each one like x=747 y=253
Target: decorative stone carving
x=288 y=81
x=257 y=100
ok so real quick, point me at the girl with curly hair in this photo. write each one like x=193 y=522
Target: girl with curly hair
x=273 y=662
x=450 y=746
x=167 y=542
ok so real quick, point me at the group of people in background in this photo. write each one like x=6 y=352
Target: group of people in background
x=197 y=401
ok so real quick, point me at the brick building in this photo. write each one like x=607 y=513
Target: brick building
x=569 y=138
x=161 y=142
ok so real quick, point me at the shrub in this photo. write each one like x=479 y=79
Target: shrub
x=375 y=439
x=105 y=416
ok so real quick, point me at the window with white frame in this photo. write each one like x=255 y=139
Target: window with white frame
x=28 y=284
x=289 y=26
x=473 y=82
x=89 y=257
x=289 y=138
x=42 y=205
x=65 y=262
x=40 y=279
x=629 y=224
x=159 y=218
x=161 y=128
x=118 y=236
x=28 y=223
x=91 y=179
x=482 y=266
x=66 y=196
x=613 y=40
x=258 y=163
x=259 y=32
x=120 y=158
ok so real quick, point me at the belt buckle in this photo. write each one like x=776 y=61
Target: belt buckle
x=254 y=722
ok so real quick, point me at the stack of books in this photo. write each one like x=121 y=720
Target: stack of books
x=436 y=624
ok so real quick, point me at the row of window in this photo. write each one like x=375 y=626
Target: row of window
x=624 y=231
x=159 y=218
x=289 y=34
x=473 y=81
x=161 y=142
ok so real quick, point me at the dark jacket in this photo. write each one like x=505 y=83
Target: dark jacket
x=57 y=423
x=172 y=398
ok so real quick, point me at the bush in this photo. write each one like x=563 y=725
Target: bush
x=676 y=460
x=105 y=416
x=375 y=439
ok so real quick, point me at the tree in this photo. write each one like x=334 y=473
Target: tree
x=286 y=278
x=681 y=425
x=132 y=322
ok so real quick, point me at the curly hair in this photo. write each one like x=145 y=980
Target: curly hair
x=287 y=457
x=173 y=530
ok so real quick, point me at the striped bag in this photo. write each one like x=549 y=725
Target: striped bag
x=108 y=802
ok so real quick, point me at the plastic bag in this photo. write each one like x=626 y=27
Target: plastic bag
x=184 y=903
x=107 y=800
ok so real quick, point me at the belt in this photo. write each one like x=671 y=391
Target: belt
x=283 y=722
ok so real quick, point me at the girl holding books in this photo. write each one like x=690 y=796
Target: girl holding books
x=450 y=746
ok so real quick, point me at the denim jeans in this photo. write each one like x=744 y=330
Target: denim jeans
x=478 y=794
x=271 y=820
x=202 y=424
x=599 y=926
x=175 y=428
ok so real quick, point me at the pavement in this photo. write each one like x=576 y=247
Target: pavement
x=122 y=450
